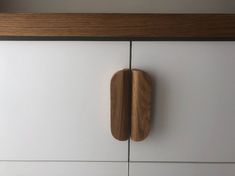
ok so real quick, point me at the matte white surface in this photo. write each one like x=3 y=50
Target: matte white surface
x=119 y=6
x=194 y=102
x=63 y=169
x=54 y=100
x=172 y=169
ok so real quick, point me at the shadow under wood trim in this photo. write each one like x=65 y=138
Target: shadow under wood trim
x=131 y=26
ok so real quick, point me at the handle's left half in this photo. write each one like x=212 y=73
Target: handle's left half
x=120 y=104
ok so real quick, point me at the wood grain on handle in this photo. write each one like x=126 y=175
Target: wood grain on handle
x=120 y=104
x=141 y=105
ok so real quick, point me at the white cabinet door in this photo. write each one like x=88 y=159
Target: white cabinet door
x=185 y=169
x=63 y=169
x=194 y=101
x=54 y=100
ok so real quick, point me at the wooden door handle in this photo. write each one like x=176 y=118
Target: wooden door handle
x=131 y=93
x=120 y=104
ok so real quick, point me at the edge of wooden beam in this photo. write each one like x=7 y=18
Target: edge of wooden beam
x=119 y=26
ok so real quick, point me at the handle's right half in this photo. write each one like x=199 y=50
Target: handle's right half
x=140 y=104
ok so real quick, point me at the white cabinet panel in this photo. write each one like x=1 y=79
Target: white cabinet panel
x=186 y=169
x=54 y=100
x=63 y=169
x=194 y=102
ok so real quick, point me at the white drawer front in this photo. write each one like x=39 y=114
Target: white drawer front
x=54 y=100
x=194 y=102
x=186 y=169
x=63 y=169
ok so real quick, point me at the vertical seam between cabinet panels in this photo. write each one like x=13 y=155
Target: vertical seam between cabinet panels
x=130 y=66
x=130 y=56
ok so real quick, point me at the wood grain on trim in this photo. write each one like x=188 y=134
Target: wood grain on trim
x=141 y=105
x=203 y=26
x=120 y=104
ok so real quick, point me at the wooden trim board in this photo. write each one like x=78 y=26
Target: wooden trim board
x=130 y=26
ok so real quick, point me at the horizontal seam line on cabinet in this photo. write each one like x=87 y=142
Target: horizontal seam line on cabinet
x=93 y=161
x=182 y=162
x=65 y=161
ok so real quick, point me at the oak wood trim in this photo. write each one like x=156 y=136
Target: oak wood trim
x=203 y=26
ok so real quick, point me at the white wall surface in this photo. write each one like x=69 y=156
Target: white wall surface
x=119 y=6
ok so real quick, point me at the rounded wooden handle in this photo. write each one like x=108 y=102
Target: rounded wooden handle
x=140 y=105
x=131 y=93
x=120 y=104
